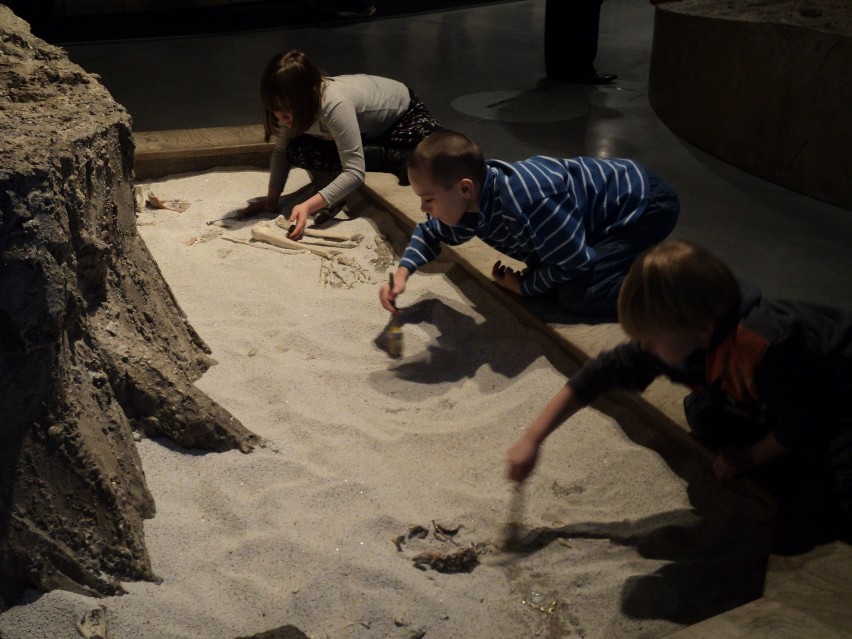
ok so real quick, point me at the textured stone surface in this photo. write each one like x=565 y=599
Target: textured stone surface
x=833 y=16
x=762 y=85
x=92 y=342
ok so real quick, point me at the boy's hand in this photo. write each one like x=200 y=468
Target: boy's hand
x=261 y=206
x=388 y=295
x=521 y=458
x=732 y=462
x=506 y=277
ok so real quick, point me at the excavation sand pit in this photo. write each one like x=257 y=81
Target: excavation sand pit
x=373 y=466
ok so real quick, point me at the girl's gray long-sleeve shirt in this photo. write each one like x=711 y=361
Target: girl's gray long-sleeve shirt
x=353 y=108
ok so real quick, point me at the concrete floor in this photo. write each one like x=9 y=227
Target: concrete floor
x=480 y=70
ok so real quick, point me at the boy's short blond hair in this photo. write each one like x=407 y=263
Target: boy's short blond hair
x=447 y=157
x=675 y=286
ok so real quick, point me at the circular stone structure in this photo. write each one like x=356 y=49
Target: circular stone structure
x=765 y=86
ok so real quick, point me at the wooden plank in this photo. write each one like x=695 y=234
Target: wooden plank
x=761 y=619
x=157 y=145
x=160 y=153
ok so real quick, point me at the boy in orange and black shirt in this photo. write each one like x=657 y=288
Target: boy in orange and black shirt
x=771 y=380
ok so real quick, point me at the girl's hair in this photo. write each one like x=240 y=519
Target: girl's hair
x=448 y=156
x=291 y=81
x=675 y=286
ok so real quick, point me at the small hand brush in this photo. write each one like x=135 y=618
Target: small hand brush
x=514 y=526
x=394 y=332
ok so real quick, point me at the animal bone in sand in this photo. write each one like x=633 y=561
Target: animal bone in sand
x=285 y=224
x=173 y=205
x=264 y=233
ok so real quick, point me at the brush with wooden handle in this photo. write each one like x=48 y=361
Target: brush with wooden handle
x=514 y=526
x=393 y=333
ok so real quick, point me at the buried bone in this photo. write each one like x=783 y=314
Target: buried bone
x=285 y=224
x=178 y=206
x=263 y=233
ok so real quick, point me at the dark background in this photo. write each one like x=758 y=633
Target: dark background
x=47 y=23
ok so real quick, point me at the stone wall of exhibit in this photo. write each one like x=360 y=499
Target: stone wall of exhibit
x=94 y=349
x=764 y=86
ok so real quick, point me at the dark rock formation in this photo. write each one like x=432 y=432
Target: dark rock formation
x=93 y=345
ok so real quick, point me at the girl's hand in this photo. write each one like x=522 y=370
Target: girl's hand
x=521 y=458
x=261 y=206
x=299 y=215
x=506 y=277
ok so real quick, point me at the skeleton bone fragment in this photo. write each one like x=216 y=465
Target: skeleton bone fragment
x=264 y=233
x=285 y=224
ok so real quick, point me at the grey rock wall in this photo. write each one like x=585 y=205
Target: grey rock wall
x=94 y=349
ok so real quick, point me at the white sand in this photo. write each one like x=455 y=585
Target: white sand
x=361 y=447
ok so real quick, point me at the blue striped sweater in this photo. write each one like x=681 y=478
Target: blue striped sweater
x=546 y=212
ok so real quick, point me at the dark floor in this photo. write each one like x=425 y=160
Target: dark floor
x=479 y=70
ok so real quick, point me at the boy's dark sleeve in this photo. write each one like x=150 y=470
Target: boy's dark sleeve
x=625 y=367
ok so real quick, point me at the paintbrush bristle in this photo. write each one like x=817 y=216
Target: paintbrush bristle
x=394 y=332
x=394 y=343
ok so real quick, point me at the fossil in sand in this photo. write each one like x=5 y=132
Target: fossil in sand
x=284 y=223
x=263 y=232
x=462 y=560
x=172 y=205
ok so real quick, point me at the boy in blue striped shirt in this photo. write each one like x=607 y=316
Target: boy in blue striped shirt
x=576 y=223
